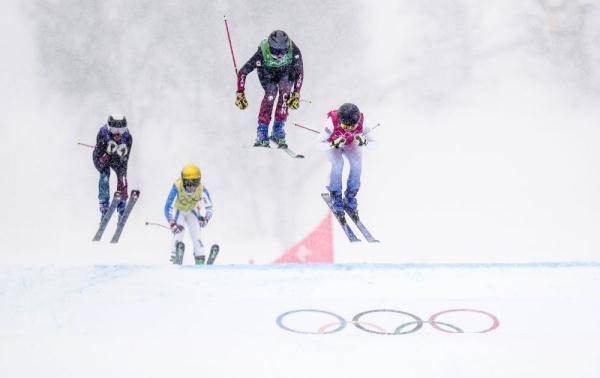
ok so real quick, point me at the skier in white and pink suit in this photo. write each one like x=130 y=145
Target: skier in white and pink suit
x=345 y=132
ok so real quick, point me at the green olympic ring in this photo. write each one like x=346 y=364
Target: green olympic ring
x=399 y=329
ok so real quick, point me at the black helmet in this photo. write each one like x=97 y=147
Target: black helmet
x=117 y=123
x=278 y=42
x=349 y=114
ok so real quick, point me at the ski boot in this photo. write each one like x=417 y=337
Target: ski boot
x=262 y=143
x=280 y=142
x=177 y=254
x=350 y=204
x=337 y=205
x=262 y=136
x=199 y=260
x=278 y=135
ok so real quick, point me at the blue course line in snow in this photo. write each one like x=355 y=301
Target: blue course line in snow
x=404 y=266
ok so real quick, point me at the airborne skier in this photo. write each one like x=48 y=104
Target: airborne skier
x=188 y=202
x=345 y=132
x=112 y=150
x=279 y=65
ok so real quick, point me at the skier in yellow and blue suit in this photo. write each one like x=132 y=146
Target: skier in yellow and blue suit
x=188 y=202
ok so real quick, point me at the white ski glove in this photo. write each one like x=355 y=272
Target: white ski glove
x=338 y=142
x=203 y=220
x=175 y=228
x=360 y=140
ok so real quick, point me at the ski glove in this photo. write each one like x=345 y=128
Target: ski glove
x=240 y=101
x=294 y=101
x=203 y=220
x=175 y=228
x=338 y=142
x=360 y=140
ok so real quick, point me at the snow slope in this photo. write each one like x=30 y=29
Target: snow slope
x=230 y=321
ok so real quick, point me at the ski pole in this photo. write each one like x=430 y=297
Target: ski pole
x=315 y=131
x=157 y=224
x=307 y=128
x=230 y=45
x=373 y=128
x=86 y=145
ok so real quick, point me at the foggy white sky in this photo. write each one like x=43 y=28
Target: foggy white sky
x=487 y=150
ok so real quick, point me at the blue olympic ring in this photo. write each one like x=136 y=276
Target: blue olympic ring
x=339 y=318
x=399 y=330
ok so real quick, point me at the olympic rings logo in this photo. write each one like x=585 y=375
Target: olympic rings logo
x=413 y=325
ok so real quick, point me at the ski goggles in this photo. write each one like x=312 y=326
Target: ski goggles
x=191 y=183
x=349 y=127
x=278 y=53
x=117 y=130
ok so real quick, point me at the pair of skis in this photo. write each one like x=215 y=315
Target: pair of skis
x=180 y=248
x=133 y=197
x=346 y=227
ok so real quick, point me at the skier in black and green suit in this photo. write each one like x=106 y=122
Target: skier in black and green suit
x=280 y=71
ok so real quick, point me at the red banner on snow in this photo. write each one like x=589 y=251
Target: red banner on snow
x=317 y=247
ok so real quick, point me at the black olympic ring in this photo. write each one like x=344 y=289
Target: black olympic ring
x=374 y=328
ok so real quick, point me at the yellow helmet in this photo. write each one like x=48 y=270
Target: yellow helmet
x=190 y=172
x=190 y=175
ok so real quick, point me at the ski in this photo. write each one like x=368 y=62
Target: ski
x=123 y=218
x=341 y=220
x=104 y=222
x=292 y=154
x=288 y=151
x=362 y=229
x=212 y=255
x=177 y=258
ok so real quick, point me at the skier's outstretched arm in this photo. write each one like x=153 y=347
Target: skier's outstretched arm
x=297 y=69
x=207 y=203
x=208 y=208
x=169 y=204
x=246 y=69
x=99 y=154
x=325 y=134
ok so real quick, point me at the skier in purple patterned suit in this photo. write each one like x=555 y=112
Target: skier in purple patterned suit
x=112 y=150
x=280 y=70
x=345 y=132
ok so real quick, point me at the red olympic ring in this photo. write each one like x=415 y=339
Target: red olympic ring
x=434 y=323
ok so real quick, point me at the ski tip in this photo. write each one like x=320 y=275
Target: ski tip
x=299 y=156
